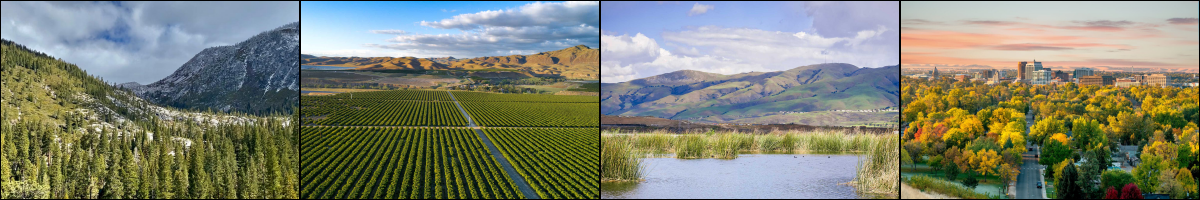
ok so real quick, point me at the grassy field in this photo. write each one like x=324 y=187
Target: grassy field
x=989 y=184
x=587 y=87
x=826 y=118
x=926 y=183
x=552 y=88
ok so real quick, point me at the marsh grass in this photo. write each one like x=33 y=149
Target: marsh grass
x=619 y=161
x=654 y=142
x=788 y=142
x=769 y=143
x=727 y=145
x=879 y=171
x=691 y=146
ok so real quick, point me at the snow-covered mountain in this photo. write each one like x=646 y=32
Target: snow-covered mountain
x=258 y=76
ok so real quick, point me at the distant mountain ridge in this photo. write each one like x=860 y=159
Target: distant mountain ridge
x=701 y=96
x=578 y=62
x=259 y=75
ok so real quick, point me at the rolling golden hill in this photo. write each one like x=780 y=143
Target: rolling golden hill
x=578 y=62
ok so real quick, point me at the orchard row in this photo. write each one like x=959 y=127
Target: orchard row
x=391 y=163
x=557 y=163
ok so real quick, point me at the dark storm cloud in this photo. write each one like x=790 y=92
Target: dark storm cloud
x=137 y=41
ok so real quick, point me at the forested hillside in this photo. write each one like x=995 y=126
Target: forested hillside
x=68 y=135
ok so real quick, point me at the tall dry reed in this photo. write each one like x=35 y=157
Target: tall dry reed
x=879 y=171
x=618 y=160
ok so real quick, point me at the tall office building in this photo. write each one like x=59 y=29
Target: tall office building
x=1081 y=72
x=935 y=74
x=1040 y=77
x=1158 y=79
x=1021 y=70
x=962 y=77
x=1096 y=80
x=1062 y=76
x=1031 y=69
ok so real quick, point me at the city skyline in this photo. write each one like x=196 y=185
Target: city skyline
x=1108 y=36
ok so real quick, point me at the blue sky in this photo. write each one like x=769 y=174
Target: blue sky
x=439 y=29
x=137 y=41
x=641 y=39
x=764 y=15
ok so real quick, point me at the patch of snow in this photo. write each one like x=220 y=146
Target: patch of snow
x=186 y=142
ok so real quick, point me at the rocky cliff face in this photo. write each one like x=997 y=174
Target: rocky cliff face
x=257 y=76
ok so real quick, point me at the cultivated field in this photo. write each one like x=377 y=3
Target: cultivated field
x=437 y=144
x=559 y=163
x=389 y=163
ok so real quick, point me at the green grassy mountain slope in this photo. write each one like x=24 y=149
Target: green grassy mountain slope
x=700 y=96
x=38 y=87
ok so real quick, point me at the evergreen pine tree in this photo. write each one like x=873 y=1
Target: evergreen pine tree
x=146 y=186
x=200 y=180
x=5 y=169
x=166 y=179
x=181 y=178
x=78 y=176
x=130 y=175
x=1068 y=185
x=114 y=188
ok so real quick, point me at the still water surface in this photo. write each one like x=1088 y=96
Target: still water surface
x=756 y=176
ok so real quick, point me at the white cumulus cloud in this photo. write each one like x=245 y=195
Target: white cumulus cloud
x=738 y=50
x=531 y=28
x=699 y=9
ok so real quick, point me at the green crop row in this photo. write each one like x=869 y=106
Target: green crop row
x=370 y=112
x=526 y=114
x=419 y=95
x=559 y=163
x=393 y=163
x=491 y=97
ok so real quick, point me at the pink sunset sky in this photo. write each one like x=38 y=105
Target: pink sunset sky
x=1105 y=35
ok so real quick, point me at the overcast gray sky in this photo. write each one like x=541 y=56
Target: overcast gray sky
x=137 y=41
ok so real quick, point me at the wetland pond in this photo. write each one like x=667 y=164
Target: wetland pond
x=749 y=176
